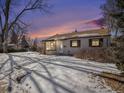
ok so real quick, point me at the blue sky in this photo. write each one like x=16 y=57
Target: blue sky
x=64 y=16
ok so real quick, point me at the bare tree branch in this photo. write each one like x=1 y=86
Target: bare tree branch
x=1 y=25
x=8 y=22
x=34 y=6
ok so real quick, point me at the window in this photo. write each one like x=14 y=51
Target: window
x=95 y=42
x=75 y=43
x=50 y=45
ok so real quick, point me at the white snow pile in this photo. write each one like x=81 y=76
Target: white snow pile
x=31 y=72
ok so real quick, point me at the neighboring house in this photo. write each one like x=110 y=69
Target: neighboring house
x=70 y=43
x=23 y=43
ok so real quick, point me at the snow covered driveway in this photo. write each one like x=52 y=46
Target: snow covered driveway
x=31 y=72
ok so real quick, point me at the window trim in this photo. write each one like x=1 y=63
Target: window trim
x=100 y=42
x=78 y=43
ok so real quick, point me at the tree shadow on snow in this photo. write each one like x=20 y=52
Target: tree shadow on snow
x=42 y=62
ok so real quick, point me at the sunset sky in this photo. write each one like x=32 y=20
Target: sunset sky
x=65 y=16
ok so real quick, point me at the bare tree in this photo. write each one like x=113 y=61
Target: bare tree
x=109 y=8
x=12 y=11
x=18 y=31
x=35 y=44
x=114 y=14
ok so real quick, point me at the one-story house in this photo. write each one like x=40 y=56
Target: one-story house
x=70 y=43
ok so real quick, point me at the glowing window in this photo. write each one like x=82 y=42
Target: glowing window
x=95 y=42
x=75 y=43
x=50 y=45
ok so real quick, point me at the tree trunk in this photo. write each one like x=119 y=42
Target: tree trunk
x=116 y=32
x=5 y=47
x=5 y=43
x=5 y=29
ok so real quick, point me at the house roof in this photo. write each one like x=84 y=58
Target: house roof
x=88 y=33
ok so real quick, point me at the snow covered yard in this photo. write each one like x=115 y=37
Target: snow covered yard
x=31 y=72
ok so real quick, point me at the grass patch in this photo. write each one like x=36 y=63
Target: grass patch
x=3 y=87
x=116 y=82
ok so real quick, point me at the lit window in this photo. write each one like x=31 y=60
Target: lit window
x=96 y=42
x=75 y=43
x=50 y=45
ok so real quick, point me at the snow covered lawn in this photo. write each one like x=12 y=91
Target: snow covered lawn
x=31 y=72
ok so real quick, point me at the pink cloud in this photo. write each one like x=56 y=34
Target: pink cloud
x=65 y=28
